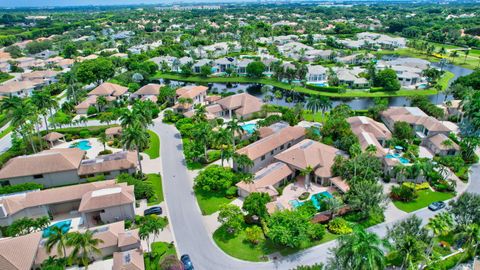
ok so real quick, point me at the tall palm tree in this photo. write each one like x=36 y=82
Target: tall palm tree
x=314 y=104
x=45 y=103
x=440 y=224
x=203 y=135
x=470 y=235
x=325 y=105
x=235 y=128
x=57 y=238
x=333 y=205
x=84 y=245
x=102 y=137
x=101 y=102
x=242 y=161
x=200 y=114
x=222 y=139
x=135 y=137
x=360 y=250
x=307 y=172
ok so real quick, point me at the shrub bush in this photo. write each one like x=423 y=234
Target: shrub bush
x=105 y=152
x=142 y=189
x=403 y=193
x=304 y=196
x=96 y=178
x=214 y=155
x=20 y=188
x=316 y=231
x=84 y=134
x=339 y=226
x=331 y=89
x=231 y=192
x=424 y=185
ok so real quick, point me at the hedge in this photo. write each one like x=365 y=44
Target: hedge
x=82 y=132
x=20 y=188
x=333 y=89
x=376 y=89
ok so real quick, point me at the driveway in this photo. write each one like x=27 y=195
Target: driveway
x=188 y=225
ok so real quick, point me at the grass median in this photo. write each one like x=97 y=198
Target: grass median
x=153 y=150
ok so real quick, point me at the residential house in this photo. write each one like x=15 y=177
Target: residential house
x=223 y=64
x=18 y=253
x=263 y=151
x=114 y=239
x=310 y=154
x=242 y=105
x=148 y=92
x=17 y=89
x=316 y=74
x=46 y=77
x=45 y=54
x=370 y=132
x=128 y=260
x=242 y=66
x=110 y=91
x=351 y=77
x=316 y=55
x=195 y=93
x=441 y=145
x=167 y=59
x=422 y=124
x=64 y=166
x=266 y=180
x=355 y=59
x=104 y=201
x=197 y=67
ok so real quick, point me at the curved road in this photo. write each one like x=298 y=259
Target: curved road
x=190 y=234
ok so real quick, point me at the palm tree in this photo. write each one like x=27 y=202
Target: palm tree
x=333 y=205
x=234 y=128
x=306 y=172
x=470 y=235
x=242 y=161
x=440 y=224
x=57 y=238
x=360 y=250
x=45 y=103
x=135 y=137
x=203 y=135
x=200 y=114
x=314 y=103
x=222 y=140
x=101 y=102
x=447 y=143
x=466 y=52
x=84 y=244
x=371 y=149
x=102 y=138
x=326 y=104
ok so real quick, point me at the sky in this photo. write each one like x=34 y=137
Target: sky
x=49 y=3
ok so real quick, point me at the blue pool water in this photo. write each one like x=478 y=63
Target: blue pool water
x=324 y=84
x=64 y=225
x=249 y=128
x=316 y=200
x=82 y=145
x=397 y=156
x=422 y=86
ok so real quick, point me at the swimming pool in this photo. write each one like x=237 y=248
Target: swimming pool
x=323 y=84
x=249 y=128
x=316 y=200
x=64 y=225
x=423 y=86
x=82 y=145
x=400 y=158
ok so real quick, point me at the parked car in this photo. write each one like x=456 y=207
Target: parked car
x=157 y=210
x=187 y=263
x=435 y=206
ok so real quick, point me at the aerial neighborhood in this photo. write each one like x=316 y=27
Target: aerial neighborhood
x=256 y=135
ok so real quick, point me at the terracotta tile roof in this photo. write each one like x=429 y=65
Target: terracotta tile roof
x=107 y=197
x=15 y=203
x=363 y=123
x=89 y=101
x=214 y=108
x=311 y=153
x=128 y=260
x=48 y=161
x=191 y=91
x=213 y=98
x=267 y=144
x=18 y=253
x=40 y=74
x=438 y=140
x=366 y=138
x=108 y=89
x=123 y=160
x=113 y=131
x=53 y=136
x=16 y=86
x=128 y=238
x=242 y=104
x=414 y=115
x=265 y=132
x=266 y=178
x=149 y=89
x=340 y=184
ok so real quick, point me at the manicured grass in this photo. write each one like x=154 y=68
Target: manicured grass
x=156 y=181
x=210 y=201
x=314 y=117
x=5 y=131
x=443 y=81
x=297 y=88
x=153 y=150
x=159 y=251
x=425 y=197
x=6 y=78
x=237 y=246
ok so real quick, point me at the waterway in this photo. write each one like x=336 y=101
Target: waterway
x=290 y=98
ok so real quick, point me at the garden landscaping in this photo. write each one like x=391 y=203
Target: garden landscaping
x=156 y=181
x=425 y=197
x=153 y=150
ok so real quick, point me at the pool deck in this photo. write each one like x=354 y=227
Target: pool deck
x=294 y=190
x=97 y=147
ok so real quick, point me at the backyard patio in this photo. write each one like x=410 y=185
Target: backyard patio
x=293 y=191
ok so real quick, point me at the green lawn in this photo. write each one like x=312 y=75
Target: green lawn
x=159 y=251
x=443 y=81
x=237 y=246
x=300 y=89
x=5 y=131
x=425 y=197
x=314 y=117
x=156 y=181
x=210 y=201
x=153 y=150
x=6 y=78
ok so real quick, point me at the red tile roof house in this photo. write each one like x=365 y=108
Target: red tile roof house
x=197 y=93
x=308 y=153
x=148 y=92
x=17 y=88
x=262 y=152
x=116 y=240
x=65 y=166
x=96 y=202
x=110 y=91
x=424 y=126
x=370 y=132
x=241 y=105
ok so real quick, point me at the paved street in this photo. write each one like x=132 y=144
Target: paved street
x=190 y=234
